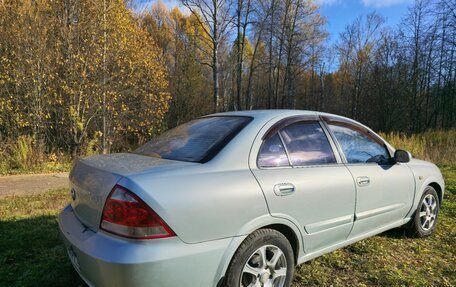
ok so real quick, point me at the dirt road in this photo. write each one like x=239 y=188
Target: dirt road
x=26 y=184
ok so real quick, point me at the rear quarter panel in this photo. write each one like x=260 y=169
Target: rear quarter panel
x=201 y=203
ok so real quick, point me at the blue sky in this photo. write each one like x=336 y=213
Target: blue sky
x=338 y=13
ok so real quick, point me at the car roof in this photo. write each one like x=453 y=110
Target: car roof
x=266 y=114
x=270 y=114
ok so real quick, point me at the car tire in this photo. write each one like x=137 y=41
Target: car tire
x=247 y=265
x=425 y=217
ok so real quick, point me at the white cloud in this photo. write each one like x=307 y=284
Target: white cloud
x=383 y=3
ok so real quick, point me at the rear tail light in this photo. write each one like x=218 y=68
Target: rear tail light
x=125 y=214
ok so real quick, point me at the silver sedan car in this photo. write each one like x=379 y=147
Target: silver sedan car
x=239 y=199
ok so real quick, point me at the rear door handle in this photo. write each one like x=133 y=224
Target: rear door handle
x=363 y=180
x=282 y=189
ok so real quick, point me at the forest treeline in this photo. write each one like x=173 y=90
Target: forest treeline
x=78 y=76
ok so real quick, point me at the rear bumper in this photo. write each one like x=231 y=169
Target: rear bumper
x=102 y=259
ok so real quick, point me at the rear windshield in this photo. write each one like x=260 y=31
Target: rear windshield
x=195 y=141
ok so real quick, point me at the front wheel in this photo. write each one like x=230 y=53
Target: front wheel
x=425 y=218
x=265 y=258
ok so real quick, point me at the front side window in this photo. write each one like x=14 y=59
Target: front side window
x=307 y=144
x=358 y=147
x=196 y=141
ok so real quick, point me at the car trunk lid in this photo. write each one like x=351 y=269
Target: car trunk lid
x=92 y=179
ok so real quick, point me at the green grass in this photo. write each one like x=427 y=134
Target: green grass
x=436 y=146
x=31 y=253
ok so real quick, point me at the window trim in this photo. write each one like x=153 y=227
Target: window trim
x=336 y=143
x=340 y=156
x=284 y=147
x=280 y=124
x=215 y=150
x=283 y=123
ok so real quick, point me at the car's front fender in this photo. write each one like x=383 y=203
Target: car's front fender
x=425 y=174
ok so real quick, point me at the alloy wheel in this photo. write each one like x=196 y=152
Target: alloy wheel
x=266 y=267
x=428 y=212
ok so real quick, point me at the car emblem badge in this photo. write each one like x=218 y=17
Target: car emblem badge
x=73 y=194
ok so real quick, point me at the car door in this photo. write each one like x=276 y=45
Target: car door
x=384 y=189
x=305 y=181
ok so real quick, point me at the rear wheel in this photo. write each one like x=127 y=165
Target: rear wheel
x=425 y=218
x=265 y=258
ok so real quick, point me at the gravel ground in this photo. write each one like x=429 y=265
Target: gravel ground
x=28 y=184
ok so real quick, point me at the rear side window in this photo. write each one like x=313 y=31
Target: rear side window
x=272 y=153
x=195 y=141
x=302 y=144
x=307 y=144
x=358 y=147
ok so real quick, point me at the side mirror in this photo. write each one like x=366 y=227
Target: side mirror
x=402 y=156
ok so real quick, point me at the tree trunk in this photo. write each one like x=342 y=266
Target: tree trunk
x=104 y=136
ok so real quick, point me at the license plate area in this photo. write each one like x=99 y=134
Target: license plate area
x=73 y=258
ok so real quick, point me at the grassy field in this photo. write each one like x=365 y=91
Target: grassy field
x=436 y=146
x=31 y=253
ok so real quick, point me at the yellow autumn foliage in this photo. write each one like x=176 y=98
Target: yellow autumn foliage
x=59 y=60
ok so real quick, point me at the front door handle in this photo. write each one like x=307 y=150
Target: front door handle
x=283 y=189
x=363 y=180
